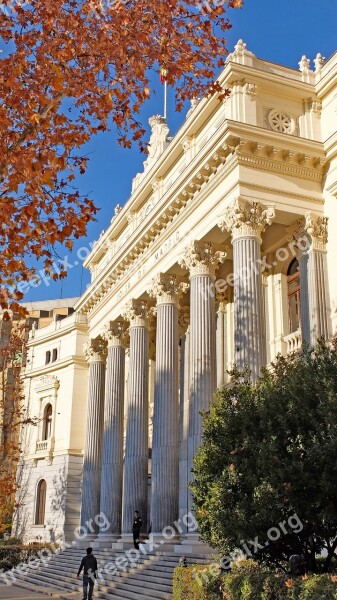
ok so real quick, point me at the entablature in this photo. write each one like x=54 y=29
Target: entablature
x=233 y=143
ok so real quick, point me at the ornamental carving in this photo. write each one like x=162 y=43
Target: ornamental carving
x=201 y=259
x=95 y=350
x=246 y=219
x=280 y=121
x=167 y=289
x=317 y=229
x=183 y=319
x=309 y=233
x=221 y=300
x=138 y=312
x=47 y=381
x=116 y=333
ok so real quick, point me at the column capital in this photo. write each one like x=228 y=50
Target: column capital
x=95 y=350
x=200 y=258
x=309 y=233
x=139 y=313
x=246 y=219
x=167 y=289
x=183 y=319
x=317 y=228
x=115 y=333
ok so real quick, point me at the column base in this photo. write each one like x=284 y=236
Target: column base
x=106 y=540
x=191 y=543
x=86 y=542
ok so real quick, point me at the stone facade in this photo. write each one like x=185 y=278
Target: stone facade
x=225 y=253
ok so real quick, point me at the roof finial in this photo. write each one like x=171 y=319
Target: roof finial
x=319 y=62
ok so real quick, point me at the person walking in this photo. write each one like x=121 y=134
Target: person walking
x=89 y=566
x=137 y=523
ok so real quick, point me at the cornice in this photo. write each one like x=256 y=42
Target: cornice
x=56 y=333
x=52 y=367
x=249 y=146
x=262 y=71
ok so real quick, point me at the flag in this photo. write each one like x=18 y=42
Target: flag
x=163 y=75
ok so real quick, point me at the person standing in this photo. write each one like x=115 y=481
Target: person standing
x=137 y=523
x=89 y=566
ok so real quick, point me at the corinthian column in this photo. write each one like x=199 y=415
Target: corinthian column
x=311 y=235
x=92 y=464
x=221 y=302
x=112 y=464
x=247 y=221
x=201 y=260
x=137 y=312
x=165 y=446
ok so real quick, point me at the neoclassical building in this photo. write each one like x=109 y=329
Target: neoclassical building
x=225 y=253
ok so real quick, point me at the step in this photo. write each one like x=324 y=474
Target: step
x=133 y=593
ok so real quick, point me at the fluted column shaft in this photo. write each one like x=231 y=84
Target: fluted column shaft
x=202 y=356
x=184 y=475
x=318 y=296
x=311 y=235
x=92 y=463
x=112 y=464
x=137 y=450
x=220 y=343
x=165 y=445
x=201 y=260
x=249 y=348
x=246 y=221
x=165 y=456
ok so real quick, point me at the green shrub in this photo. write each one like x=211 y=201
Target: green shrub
x=198 y=583
x=11 y=556
x=12 y=541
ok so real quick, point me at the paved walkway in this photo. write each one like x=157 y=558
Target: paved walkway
x=13 y=592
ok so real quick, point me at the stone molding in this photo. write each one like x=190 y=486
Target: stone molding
x=116 y=333
x=200 y=258
x=95 y=350
x=246 y=219
x=167 y=289
x=139 y=313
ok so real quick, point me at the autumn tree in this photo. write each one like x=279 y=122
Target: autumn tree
x=268 y=458
x=68 y=70
x=13 y=335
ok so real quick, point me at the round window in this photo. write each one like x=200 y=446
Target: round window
x=280 y=121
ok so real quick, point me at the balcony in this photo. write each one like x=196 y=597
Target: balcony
x=293 y=341
x=43 y=447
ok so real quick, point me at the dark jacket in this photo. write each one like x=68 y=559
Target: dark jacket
x=89 y=564
x=137 y=523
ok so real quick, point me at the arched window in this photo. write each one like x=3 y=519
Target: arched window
x=48 y=357
x=40 y=502
x=294 y=292
x=54 y=355
x=47 y=421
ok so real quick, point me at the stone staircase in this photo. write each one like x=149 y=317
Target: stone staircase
x=149 y=578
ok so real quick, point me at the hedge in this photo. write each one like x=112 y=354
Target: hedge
x=11 y=556
x=250 y=585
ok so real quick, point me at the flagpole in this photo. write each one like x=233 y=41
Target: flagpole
x=165 y=99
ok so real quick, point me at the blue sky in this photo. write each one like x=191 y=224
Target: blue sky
x=278 y=31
